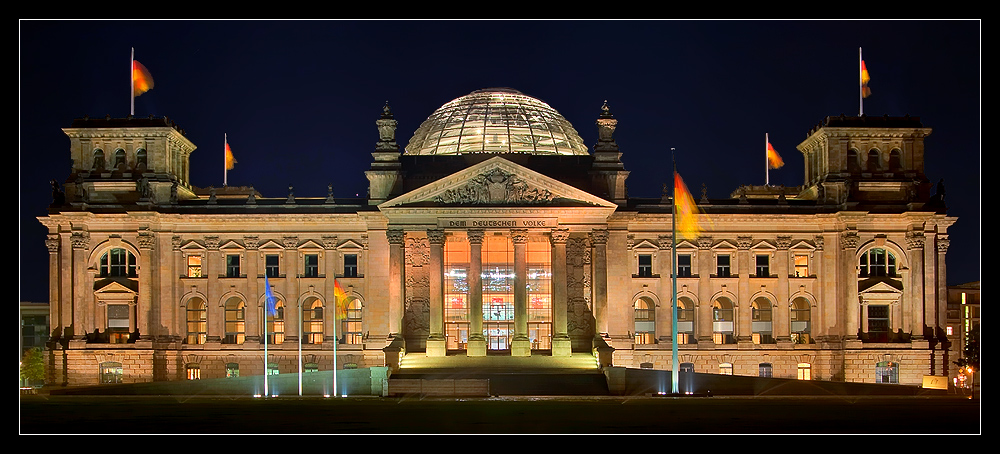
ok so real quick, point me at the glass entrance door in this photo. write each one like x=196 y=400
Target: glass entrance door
x=498 y=335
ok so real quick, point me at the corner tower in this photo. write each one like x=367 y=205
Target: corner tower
x=866 y=160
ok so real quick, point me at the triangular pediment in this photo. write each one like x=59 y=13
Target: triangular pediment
x=497 y=182
x=646 y=244
x=350 y=245
x=116 y=288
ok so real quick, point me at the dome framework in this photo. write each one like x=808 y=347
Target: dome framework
x=496 y=120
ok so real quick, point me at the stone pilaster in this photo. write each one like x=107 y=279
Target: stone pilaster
x=849 y=252
x=915 y=302
x=780 y=317
x=144 y=305
x=561 y=343
x=396 y=238
x=82 y=297
x=599 y=263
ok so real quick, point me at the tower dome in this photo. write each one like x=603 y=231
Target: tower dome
x=496 y=120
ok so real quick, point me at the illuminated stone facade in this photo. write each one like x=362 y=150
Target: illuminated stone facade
x=521 y=250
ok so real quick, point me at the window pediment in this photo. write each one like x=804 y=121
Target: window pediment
x=349 y=245
x=116 y=288
x=310 y=246
x=231 y=246
x=724 y=246
x=192 y=247
x=645 y=246
x=271 y=246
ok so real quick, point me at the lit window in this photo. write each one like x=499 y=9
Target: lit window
x=312 y=323
x=232 y=370
x=722 y=265
x=722 y=322
x=197 y=322
x=764 y=370
x=645 y=265
x=684 y=265
x=193 y=372
x=801 y=266
x=352 y=323
x=272 y=368
x=194 y=266
x=685 y=321
x=310 y=367
x=271 y=265
x=276 y=324
x=763 y=265
x=232 y=265
x=118 y=262
x=111 y=372
x=804 y=371
x=951 y=330
x=118 y=323
x=800 y=321
x=350 y=265
x=726 y=368
x=645 y=322
x=311 y=265
x=235 y=322
x=760 y=312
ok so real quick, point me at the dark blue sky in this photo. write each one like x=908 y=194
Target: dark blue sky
x=299 y=99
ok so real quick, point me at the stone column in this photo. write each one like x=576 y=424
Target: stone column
x=435 y=339
x=396 y=238
x=852 y=313
x=520 y=344
x=477 y=343
x=780 y=324
x=561 y=343
x=599 y=261
x=330 y=272
x=915 y=301
x=55 y=282
x=144 y=307
x=169 y=308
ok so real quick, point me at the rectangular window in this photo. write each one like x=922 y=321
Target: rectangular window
x=233 y=265
x=194 y=266
x=311 y=268
x=878 y=323
x=645 y=265
x=684 y=265
x=801 y=266
x=722 y=265
x=763 y=268
x=350 y=265
x=271 y=265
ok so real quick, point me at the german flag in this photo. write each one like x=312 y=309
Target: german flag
x=141 y=80
x=686 y=211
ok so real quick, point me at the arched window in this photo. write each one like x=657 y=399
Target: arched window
x=685 y=321
x=895 y=161
x=98 y=160
x=140 y=159
x=111 y=372
x=117 y=262
x=197 y=321
x=760 y=326
x=645 y=321
x=276 y=324
x=874 y=164
x=120 y=161
x=853 y=165
x=312 y=322
x=877 y=262
x=800 y=315
x=235 y=321
x=351 y=324
x=722 y=321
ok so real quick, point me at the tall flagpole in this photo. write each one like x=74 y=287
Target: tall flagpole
x=767 y=166
x=674 y=373
x=861 y=85
x=225 y=160
x=301 y=325
x=336 y=340
x=131 y=82
x=266 y=369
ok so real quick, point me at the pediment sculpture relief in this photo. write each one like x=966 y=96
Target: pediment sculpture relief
x=495 y=186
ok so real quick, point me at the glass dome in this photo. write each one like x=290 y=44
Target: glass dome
x=496 y=120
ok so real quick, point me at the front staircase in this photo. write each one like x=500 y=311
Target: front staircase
x=537 y=375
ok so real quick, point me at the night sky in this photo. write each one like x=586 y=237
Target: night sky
x=299 y=99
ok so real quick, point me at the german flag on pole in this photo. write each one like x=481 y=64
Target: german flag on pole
x=230 y=160
x=340 y=300
x=141 y=80
x=772 y=157
x=686 y=211
x=865 y=91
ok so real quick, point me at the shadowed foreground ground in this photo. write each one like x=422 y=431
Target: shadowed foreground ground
x=44 y=414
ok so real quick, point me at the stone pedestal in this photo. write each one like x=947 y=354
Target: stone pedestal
x=476 y=346
x=562 y=346
x=520 y=347
x=436 y=347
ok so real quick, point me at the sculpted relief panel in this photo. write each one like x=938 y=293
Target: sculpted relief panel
x=495 y=186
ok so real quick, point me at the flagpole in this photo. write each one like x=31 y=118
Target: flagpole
x=225 y=159
x=301 y=325
x=767 y=166
x=674 y=372
x=264 y=313
x=861 y=85
x=131 y=82
x=336 y=340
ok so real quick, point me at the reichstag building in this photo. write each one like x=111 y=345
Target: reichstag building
x=496 y=232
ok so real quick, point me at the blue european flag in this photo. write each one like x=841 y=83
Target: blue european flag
x=269 y=298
